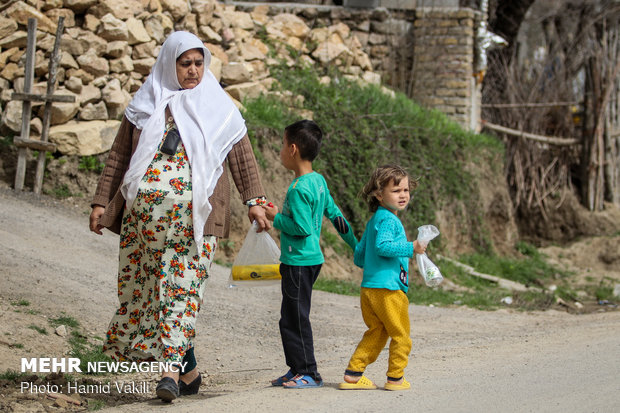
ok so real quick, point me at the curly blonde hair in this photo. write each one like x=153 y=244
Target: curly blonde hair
x=379 y=179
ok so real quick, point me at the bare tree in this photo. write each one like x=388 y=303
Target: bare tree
x=566 y=85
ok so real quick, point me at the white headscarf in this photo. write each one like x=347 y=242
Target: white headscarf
x=208 y=121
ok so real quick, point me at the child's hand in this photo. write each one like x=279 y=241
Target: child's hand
x=270 y=210
x=419 y=248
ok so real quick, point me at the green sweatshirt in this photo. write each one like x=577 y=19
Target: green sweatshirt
x=307 y=200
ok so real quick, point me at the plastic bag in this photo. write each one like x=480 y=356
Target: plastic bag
x=429 y=271
x=258 y=260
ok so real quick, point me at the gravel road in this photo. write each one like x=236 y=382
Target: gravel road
x=463 y=360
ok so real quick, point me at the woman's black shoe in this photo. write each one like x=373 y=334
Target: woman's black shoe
x=192 y=388
x=167 y=389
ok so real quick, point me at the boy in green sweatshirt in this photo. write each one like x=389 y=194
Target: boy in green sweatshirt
x=307 y=201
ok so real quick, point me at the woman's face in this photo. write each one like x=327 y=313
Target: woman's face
x=190 y=68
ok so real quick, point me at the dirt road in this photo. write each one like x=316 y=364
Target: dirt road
x=463 y=360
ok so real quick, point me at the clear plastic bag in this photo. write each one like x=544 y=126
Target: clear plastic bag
x=429 y=271
x=258 y=260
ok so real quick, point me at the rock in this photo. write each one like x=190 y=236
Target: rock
x=249 y=52
x=60 y=403
x=91 y=23
x=241 y=35
x=328 y=51
x=617 y=291
x=115 y=98
x=259 y=69
x=341 y=29
x=117 y=49
x=292 y=25
x=143 y=66
x=112 y=28
x=121 y=9
x=82 y=74
x=154 y=28
x=5 y=56
x=248 y=90
x=12 y=116
x=228 y=35
x=259 y=14
x=7 y=26
x=177 y=8
x=20 y=12
x=78 y=41
x=372 y=77
x=62 y=112
x=209 y=34
x=41 y=66
x=262 y=47
x=98 y=111
x=362 y=60
x=84 y=138
x=79 y=6
x=136 y=31
x=61 y=331
x=204 y=11
x=188 y=24
x=217 y=51
x=235 y=72
x=91 y=63
x=132 y=85
x=36 y=127
x=11 y=71
x=216 y=67
x=69 y=17
x=236 y=19
x=67 y=61
x=51 y=4
x=122 y=65
x=375 y=39
x=74 y=84
x=16 y=39
x=144 y=50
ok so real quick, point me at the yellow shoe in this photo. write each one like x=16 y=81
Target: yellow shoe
x=393 y=386
x=363 y=383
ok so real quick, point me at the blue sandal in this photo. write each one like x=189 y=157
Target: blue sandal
x=304 y=382
x=282 y=379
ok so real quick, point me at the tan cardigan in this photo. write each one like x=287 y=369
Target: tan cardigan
x=241 y=162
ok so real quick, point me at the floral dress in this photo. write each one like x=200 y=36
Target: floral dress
x=162 y=274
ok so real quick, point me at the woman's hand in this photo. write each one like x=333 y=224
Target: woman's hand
x=95 y=215
x=257 y=213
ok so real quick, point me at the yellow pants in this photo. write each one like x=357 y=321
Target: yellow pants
x=386 y=313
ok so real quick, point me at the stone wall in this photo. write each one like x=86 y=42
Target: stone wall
x=109 y=46
x=443 y=64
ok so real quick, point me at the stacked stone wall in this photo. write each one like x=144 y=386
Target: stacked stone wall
x=444 y=58
x=109 y=46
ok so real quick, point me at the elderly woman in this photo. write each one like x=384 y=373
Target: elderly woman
x=164 y=191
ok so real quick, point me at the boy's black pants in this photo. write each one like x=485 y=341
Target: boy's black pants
x=295 y=328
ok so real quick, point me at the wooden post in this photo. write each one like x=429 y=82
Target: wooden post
x=47 y=113
x=24 y=142
x=20 y=173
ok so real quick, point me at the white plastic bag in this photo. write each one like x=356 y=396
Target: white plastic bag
x=258 y=260
x=429 y=271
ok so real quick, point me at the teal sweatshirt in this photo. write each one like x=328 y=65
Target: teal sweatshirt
x=307 y=201
x=384 y=252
